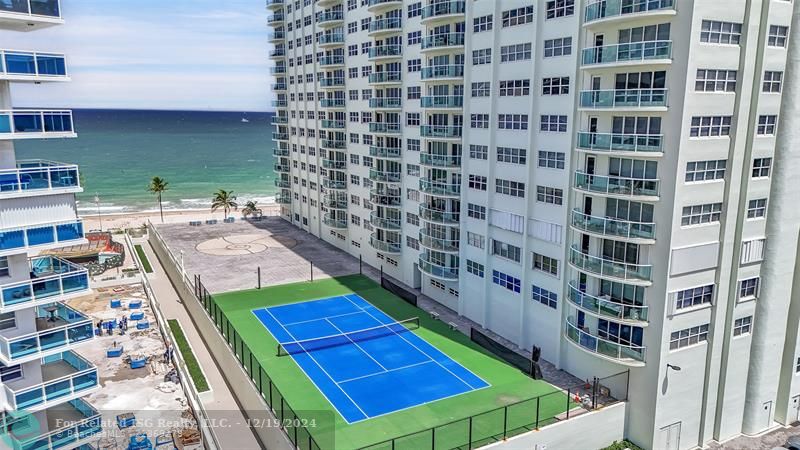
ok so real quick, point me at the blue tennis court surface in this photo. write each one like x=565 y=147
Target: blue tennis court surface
x=362 y=360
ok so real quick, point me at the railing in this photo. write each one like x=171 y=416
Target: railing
x=274 y=18
x=614 y=350
x=385 y=152
x=386 y=197
x=331 y=38
x=333 y=222
x=68 y=430
x=385 y=77
x=441 y=71
x=387 y=50
x=386 y=24
x=609 y=268
x=276 y=36
x=331 y=103
x=426 y=239
x=334 y=164
x=331 y=60
x=604 y=9
x=45 y=8
x=385 y=127
x=280 y=136
x=608 y=226
x=78 y=328
x=631 y=52
x=606 y=307
x=388 y=176
x=278 y=151
x=38 y=175
x=386 y=247
x=329 y=17
x=51 y=278
x=335 y=124
x=435 y=215
x=327 y=183
x=442 y=101
x=446 y=161
x=44 y=234
x=437 y=270
x=25 y=123
x=279 y=120
x=440 y=188
x=331 y=82
x=271 y=3
x=283 y=199
x=83 y=378
x=281 y=167
x=337 y=144
x=386 y=223
x=382 y=2
x=615 y=142
x=614 y=185
x=284 y=184
x=624 y=98
x=385 y=102
x=335 y=202
x=33 y=64
x=274 y=70
x=440 y=131
x=277 y=53
x=280 y=103
x=279 y=87
x=443 y=9
x=443 y=41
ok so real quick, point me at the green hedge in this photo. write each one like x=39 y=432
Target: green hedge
x=624 y=445
x=188 y=357
x=143 y=258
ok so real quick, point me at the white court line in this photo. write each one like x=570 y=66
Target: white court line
x=357 y=346
x=360 y=311
x=387 y=370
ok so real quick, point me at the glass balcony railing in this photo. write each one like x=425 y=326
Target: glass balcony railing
x=280 y=103
x=386 y=176
x=46 y=8
x=283 y=199
x=277 y=53
x=63 y=375
x=387 y=3
x=623 y=353
x=627 y=53
x=283 y=183
x=274 y=3
x=63 y=426
x=331 y=82
x=57 y=327
x=441 y=71
x=386 y=102
x=605 y=306
x=443 y=161
x=334 y=222
x=385 y=127
x=444 y=40
x=386 y=196
x=278 y=86
x=330 y=17
x=283 y=168
x=334 y=164
x=385 y=152
x=280 y=136
x=617 y=186
x=32 y=64
x=605 y=9
x=442 y=101
x=624 y=98
x=276 y=36
x=384 y=246
x=614 y=142
x=276 y=18
x=38 y=175
x=385 y=25
x=279 y=120
x=331 y=39
x=428 y=240
x=437 y=269
x=610 y=268
x=279 y=151
x=334 y=184
x=331 y=60
x=332 y=103
x=275 y=70
x=439 y=216
x=35 y=124
x=335 y=201
x=440 y=131
x=333 y=124
x=386 y=51
x=614 y=228
x=38 y=235
x=336 y=144
x=441 y=188
x=440 y=9
x=385 y=77
x=50 y=279
x=386 y=223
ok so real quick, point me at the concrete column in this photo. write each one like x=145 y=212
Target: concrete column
x=780 y=259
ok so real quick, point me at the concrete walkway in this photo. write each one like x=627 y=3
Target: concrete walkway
x=230 y=425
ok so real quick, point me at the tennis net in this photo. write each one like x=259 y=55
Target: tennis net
x=320 y=343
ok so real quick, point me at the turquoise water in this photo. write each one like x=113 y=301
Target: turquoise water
x=119 y=151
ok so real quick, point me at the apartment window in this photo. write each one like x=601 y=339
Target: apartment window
x=479 y=121
x=412 y=219
x=512 y=121
x=475 y=268
x=412 y=119
x=414 y=92
x=477 y=182
x=482 y=23
x=545 y=264
x=508 y=187
x=365 y=46
x=511 y=155
x=352 y=50
x=711 y=80
x=8 y=320
x=355 y=179
x=701 y=214
x=557 y=47
x=4 y=266
x=507 y=281
x=748 y=289
x=717 y=32
x=772 y=82
x=544 y=297
x=414 y=65
x=414 y=9
x=476 y=211
x=478 y=151
x=412 y=170
x=352 y=72
x=482 y=56
x=553 y=123
x=705 y=170
x=516 y=52
x=757 y=209
x=555 y=86
x=689 y=336
x=742 y=326
x=515 y=88
x=710 y=126
x=559 y=8
x=766 y=125
x=413 y=195
x=412 y=145
x=761 y=167
x=476 y=240
x=481 y=89
x=697 y=296
x=551 y=195
x=414 y=37
x=412 y=242
x=551 y=160
x=518 y=16
x=777 y=36
x=507 y=251
x=365 y=23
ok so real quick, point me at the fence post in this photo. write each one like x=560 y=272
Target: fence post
x=433 y=438
x=312 y=271
x=538 y=399
x=469 y=437
x=360 y=262
x=270 y=395
x=595 y=390
x=505 y=423
x=381 y=273
x=259 y=277
x=569 y=399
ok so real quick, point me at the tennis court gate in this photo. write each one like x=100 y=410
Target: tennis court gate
x=510 y=356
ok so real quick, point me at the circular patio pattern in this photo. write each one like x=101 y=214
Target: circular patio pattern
x=244 y=244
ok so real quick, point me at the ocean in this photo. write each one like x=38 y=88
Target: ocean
x=198 y=153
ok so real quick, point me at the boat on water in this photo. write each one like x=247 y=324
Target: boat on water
x=245 y=120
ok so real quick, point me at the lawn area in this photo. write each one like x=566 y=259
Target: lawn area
x=143 y=258
x=188 y=356
x=451 y=415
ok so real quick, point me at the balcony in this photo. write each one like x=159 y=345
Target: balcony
x=438 y=243
x=443 y=10
x=334 y=164
x=40 y=236
x=442 y=41
x=276 y=36
x=438 y=216
x=390 y=51
x=437 y=269
x=51 y=279
x=332 y=82
x=278 y=53
x=628 y=354
x=281 y=168
x=32 y=66
x=636 y=53
x=607 y=308
x=283 y=183
x=327 y=3
x=277 y=70
x=68 y=425
x=65 y=376
x=440 y=161
x=639 y=274
x=329 y=19
x=385 y=26
x=442 y=101
x=644 y=189
x=280 y=151
x=385 y=152
x=440 y=188
x=332 y=124
x=338 y=185
x=280 y=136
x=332 y=103
x=638 y=232
x=385 y=127
x=58 y=329
x=279 y=120
x=640 y=145
x=331 y=61
x=333 y=222
x=330 y=39
x=379 y=5
x=27 y=15
x=280 y=103
x=386 y=196
x=440 y=131
x=385 y=176
x=283 y=199
x=442 y=72
x=30 y=124
x=278 y=86
x=276 y=19
x=384 y=246
x=616 y=9
x=625 y=99
x=385 y=77
x=274 y=4
x=39 y=177
x=385 y=223
x=335 y=201
x=386 y=102
x=333 y=144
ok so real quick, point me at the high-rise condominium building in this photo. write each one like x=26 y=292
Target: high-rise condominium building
x=42 y=379
x=590 y=177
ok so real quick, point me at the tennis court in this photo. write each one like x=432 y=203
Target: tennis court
x=364 y=362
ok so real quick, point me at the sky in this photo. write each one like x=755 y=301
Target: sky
x=154 y=54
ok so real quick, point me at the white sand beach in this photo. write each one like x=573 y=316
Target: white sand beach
x=137 y=219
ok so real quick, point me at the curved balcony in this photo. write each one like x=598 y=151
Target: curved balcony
x=438 y=216
x=281 y=168
x=385 y=176
x=607 y=11
x=331 y=61
x=383 y=26
x=439 y=188
x=336 y=185
x=637 y=232
x=59 y=328
x=333 y=144
x=444 y=41
x=385 y=78
x=333 y=103
x=442 y=101
x=386 y=102
x=276 y=19
x=65 y=376
x=282 y=183
x=73 y=424
x=332 y=124
x=276 y=36
x=385 y=152
x=636 y=53
x=36 y=124
x=278 y=151
x=386 y=195
x=436 y=269
x=375 y=6
x=280 y=136
x=52 y=279
x=278 y=53
x=440 y=161
x=385 y=127
x=630 y=355
x=638 y=274
x=625 y=99
x=280 y=103
x=24 y=15
x=329 y=19
x=607 y=308
x=334 y=164
x=635 y=188
x=39 y=177
x=283 y=199
x=327 y=3
x=279 y=120
x=278 y=86
x=443 y=11
x=440 y=131
x=384 y=246
x=437 y=243
x=274 y=4
x=639 y=145
x=333 y=222
x=387 y=51
x=40 y=236
x=277 y=70
x=442 y=72
x=332 y=82
x=330 y=39
x=335 y=201
x=385 y=223
x=32 y=66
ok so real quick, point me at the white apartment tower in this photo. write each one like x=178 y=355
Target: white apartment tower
x=42 y=379
x=592 y=177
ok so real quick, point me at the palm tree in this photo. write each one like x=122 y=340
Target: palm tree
x=250 y=209
x=158 y=186
x=225 y=200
